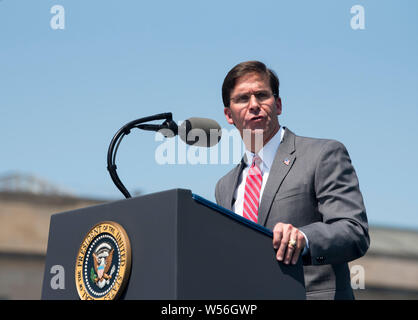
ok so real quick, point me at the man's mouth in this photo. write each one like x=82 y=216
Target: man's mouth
x=257 y=118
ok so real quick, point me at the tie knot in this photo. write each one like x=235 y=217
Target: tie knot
x=256 y=161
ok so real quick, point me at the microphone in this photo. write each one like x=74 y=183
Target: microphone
x=200 y=132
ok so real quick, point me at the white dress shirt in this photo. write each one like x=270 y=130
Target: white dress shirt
x=267 y=155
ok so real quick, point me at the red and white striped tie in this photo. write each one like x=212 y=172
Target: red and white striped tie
x=252 y=190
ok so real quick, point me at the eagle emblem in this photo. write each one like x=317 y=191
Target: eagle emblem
x=102 y=259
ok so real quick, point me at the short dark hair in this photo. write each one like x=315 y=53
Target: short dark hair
x=242 y=69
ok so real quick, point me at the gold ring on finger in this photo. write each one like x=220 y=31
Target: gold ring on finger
x=292 y=243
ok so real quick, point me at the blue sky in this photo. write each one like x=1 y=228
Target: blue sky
x=64 y=93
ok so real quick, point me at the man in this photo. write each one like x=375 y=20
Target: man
x=303 y=189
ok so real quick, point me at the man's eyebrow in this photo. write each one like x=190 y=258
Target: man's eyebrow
x=253 y=91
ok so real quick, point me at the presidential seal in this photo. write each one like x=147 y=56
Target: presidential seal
x=103 y=262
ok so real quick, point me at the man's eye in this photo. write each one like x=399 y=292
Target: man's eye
x=262 y=96
x=242 y=99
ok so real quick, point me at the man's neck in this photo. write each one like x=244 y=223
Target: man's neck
x=256 y=147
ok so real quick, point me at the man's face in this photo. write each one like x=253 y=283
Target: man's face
x=254 y=107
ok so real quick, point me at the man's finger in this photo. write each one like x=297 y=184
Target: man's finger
x=301 y=242
x=277 y=235
x=292 y=248
x=287 y=229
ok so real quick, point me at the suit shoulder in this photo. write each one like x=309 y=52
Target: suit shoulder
x=317 y=145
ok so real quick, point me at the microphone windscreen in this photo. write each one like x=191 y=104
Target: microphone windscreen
x=200 y=132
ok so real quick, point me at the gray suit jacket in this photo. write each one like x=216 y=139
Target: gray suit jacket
x=317 y=192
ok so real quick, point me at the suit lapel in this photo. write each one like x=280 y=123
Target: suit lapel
x=283 y=162
x=233 y=183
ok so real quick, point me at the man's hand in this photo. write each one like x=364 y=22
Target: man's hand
x=282 y=236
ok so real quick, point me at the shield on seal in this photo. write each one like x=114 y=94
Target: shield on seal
x=103 y=258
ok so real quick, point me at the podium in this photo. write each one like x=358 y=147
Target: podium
x=183 y=247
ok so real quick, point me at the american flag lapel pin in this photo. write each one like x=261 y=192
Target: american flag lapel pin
x=286 y=161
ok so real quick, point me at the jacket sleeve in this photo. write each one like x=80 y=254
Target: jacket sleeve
x=342 y=235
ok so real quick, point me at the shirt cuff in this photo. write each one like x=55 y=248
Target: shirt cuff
x=305 y=250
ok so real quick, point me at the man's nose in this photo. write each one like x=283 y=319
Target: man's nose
x=253 y=103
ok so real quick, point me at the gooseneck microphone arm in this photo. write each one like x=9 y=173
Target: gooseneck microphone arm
x=168 y=124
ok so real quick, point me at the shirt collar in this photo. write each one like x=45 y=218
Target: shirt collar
x=268 y=152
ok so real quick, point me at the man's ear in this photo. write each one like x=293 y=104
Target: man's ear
x=228 y=115
x=279 y=105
